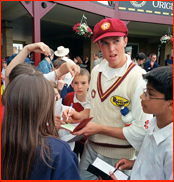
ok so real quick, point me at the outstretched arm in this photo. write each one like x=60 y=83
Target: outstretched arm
x=93 y=128
x=39 y=47
x=68 y=67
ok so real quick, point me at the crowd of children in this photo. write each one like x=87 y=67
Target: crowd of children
x=32 y=145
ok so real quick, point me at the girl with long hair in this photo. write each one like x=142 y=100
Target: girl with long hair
x=28 y=149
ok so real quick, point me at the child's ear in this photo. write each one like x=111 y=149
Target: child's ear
x=125 y=41
x=72 y=84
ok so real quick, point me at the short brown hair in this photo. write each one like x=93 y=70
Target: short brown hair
x=58 y=62
x=84 y=71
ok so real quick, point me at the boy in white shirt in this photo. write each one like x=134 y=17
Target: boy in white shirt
x=155 y=159
x=115 y=83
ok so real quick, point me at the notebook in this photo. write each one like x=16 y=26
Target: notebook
x=72 y=128
x=101 y=168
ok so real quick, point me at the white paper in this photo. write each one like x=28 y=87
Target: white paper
x=58 y=107
x=105 y=167
x=70 y=81
x=120 y=175
x=72 y=138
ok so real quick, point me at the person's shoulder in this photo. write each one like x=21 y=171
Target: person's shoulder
x=156 y=64
x=146 y=63
x=57 y=144
x=42 y=62
x=71 y=94
x=139 y=69
x=102 y=63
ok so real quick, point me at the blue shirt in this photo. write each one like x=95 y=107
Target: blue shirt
x=147 y=66
x=44 y=66
x=65 y=91
x=63 y=162
x=169 y=61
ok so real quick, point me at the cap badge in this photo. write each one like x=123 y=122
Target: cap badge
x=105 y=26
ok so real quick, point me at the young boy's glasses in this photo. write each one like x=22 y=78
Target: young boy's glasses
x=147 y=96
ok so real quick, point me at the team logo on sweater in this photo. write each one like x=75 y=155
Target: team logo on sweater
x=93 y=93
x=119 y=101
x=105 y=26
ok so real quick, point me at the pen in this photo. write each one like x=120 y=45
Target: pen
x=115 y=170
x=69 y=110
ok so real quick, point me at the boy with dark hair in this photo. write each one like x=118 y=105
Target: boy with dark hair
x=115 y=83
x=140 y=58
x=155 y=159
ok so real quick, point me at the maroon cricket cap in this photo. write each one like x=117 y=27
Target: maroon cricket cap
x=109 y=27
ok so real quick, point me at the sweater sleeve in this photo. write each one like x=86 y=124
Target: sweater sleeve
x=136 y=131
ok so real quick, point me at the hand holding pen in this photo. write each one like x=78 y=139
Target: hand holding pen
x=69 y=110
x=122 y=164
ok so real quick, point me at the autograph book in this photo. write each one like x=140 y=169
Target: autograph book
x=72 y=128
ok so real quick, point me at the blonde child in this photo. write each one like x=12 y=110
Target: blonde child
x=80 y=84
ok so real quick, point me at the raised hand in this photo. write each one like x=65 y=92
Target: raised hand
x=73 y=68
x=39 y=47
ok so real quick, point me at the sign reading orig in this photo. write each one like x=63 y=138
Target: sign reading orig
x=163 y=8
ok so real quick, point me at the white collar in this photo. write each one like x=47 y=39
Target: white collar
x=161 y=134
x=103 y=67
x=75 y=100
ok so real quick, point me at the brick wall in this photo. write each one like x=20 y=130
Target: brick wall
x=7 y=33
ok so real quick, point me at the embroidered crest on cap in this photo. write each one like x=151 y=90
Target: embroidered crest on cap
x=93 y=93
x=105 y=26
